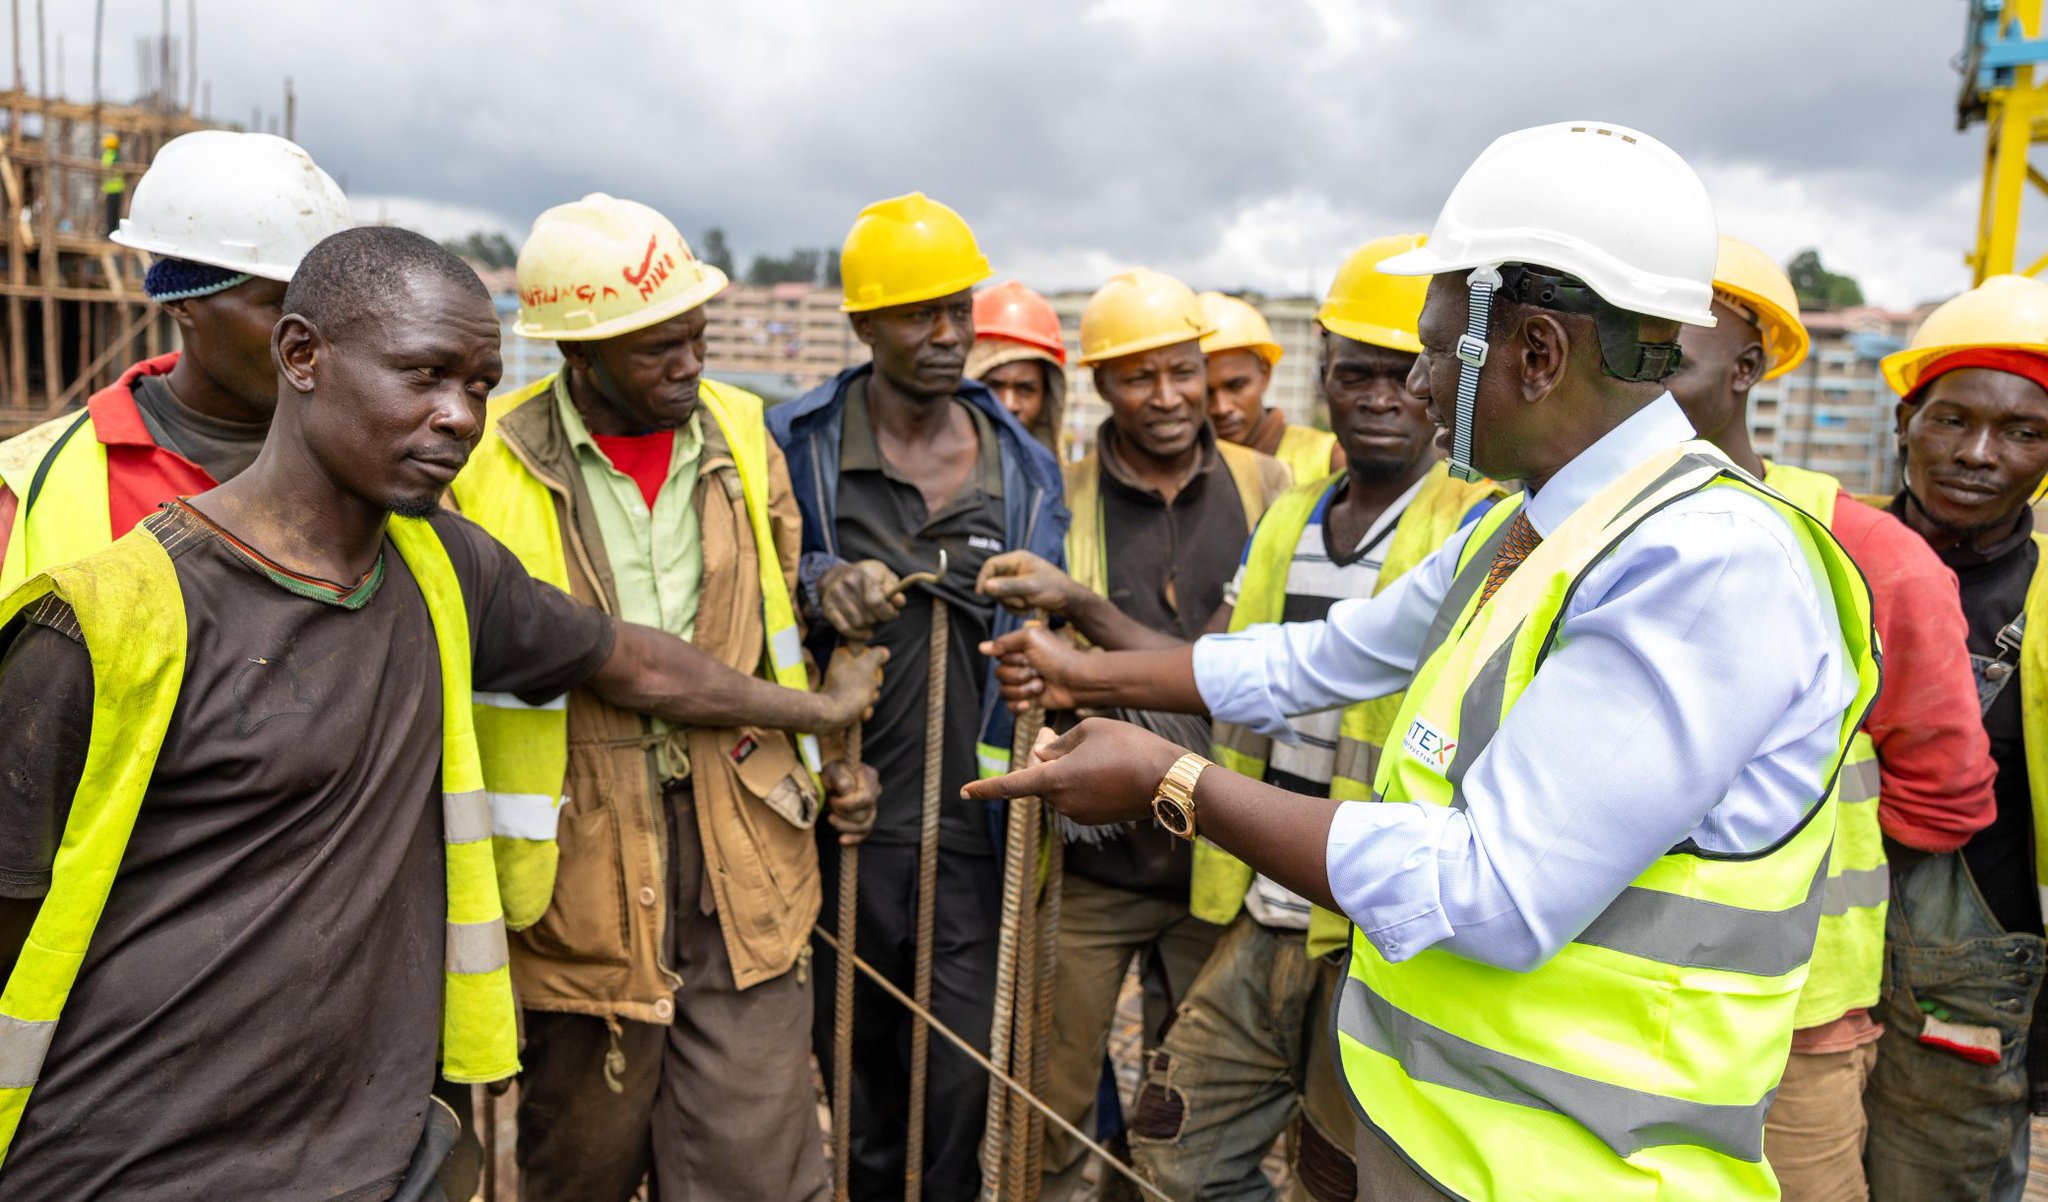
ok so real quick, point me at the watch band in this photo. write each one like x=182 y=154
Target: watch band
x=1174 y=804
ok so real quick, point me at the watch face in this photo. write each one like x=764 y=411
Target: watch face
x=1171 y=815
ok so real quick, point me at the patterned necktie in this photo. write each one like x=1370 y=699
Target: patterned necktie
x=1522 y=539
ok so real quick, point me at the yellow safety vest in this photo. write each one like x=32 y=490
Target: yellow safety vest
x=1217 y=890
x=1638 y=1062
x=526 y=748
x=71 y=518
x=132 y=614
x=2034 y=708
x=1848 y=953
x=1306 y=452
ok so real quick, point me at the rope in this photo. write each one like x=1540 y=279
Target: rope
x=1048 y=955
x=929 y=1021
x=1026 y=1010
x=1017 y=853
x=842 y=984
x=927 y=892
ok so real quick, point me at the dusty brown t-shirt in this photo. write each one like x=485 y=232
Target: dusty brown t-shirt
x=259 y=1013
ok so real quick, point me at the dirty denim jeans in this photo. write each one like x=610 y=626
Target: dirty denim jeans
x=1943 y=1127
x=1248 y=1057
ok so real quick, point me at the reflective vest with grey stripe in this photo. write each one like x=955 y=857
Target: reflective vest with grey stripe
x=1639 y=1060
x=1848 y=953
x=132 y=615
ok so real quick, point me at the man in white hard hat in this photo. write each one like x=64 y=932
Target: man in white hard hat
x=667 y=1022
x=1580 y=931
x=228 y=217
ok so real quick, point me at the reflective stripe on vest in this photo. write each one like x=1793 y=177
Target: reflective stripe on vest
x=1219 y=881
x=1848 y=951
x=1639 y=1060
x=71 y=517
x=131 y=613
x=1306 y=452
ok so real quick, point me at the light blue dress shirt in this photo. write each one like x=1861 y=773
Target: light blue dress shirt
x=1695 y=694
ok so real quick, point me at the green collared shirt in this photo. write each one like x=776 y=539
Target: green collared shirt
x=656 y=556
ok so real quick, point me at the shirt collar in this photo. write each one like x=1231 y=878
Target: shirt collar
x=1652 y=428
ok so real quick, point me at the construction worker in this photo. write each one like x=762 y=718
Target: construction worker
x=905 y=465
x=228 y=217
x=1242 y=356
x=1161 y=509
x=1918 y=773
x=1249 y=1051
x=1959 y=1063
x=1020 y=354
x=258 y=791
x=113 y=184
x=1580 y=933
x=666 y=1041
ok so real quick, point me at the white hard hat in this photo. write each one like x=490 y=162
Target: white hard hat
x=1587 y=217
x=252 y=203
x=600 y=267
x=1610 y=205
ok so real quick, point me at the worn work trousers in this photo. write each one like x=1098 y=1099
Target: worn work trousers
x=1102 y=929
x=1248 y=1057
x=967 y=920
x=719 y=1105
x=1815 y=1128
x=1942 y=1128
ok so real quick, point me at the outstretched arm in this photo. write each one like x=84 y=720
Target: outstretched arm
x=652 y=672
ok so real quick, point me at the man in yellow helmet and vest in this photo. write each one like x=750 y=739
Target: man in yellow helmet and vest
x=227 y=216
x=1229 y=1075
x=900 y=466
x=1583 y=904
x=1960 y=1066
x=255 y=883
x=113 y=184
x=669 y=1041
x=1242 y=355
x=1161 y=509
x=1918 y=773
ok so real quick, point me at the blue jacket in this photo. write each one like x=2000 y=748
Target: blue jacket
x=1034 y=514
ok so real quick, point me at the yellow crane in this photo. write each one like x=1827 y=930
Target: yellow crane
x=2005 y=85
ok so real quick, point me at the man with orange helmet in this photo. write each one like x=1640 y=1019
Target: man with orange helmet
x=1019 y=353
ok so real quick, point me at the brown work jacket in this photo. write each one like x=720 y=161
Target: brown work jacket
x=599 y=949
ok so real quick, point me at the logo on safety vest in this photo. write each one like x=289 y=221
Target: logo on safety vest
x=1431 y=746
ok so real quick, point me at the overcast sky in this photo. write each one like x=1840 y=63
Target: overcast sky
x=1236 y=144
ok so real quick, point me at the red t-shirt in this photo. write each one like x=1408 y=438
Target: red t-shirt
x=644 y=457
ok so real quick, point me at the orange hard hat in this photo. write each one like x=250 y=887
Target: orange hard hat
x=1010 y=310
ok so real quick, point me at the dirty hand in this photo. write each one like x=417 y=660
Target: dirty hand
x=1023 y=582
x=857 y=597
x=851 y=792
x=851 y=684
x=1034 y=666
x=1097 y=773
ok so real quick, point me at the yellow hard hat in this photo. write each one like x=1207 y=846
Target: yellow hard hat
x=2008 y=311
x=1236 y=326
x=1746 y=278
x=1367 y=305
x=907 y=249
x=1139 y=310
x=600 y=267
x=110 y=141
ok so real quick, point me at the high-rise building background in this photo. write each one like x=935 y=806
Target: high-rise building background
x=1832 y=414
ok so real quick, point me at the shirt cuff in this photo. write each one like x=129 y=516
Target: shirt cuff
x=1382 y=863
x=1230 y=674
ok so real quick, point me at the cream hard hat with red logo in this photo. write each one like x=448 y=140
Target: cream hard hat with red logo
x=600 y=267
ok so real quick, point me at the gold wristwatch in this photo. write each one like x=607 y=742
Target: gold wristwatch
x=1174 y=804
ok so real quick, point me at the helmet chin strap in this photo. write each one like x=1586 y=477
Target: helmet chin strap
x=1479 y=289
